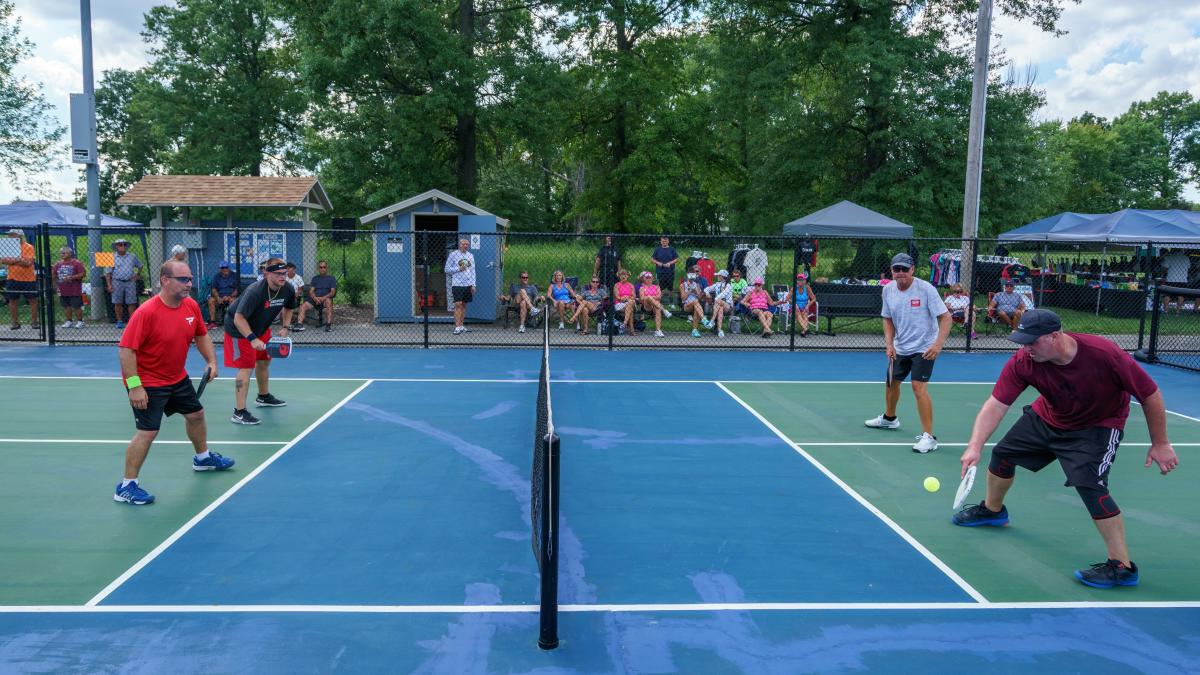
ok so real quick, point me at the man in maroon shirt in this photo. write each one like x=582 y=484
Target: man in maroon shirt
x=1085 y=382
x=153 y=351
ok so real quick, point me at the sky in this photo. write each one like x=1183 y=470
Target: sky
x=1115 y=52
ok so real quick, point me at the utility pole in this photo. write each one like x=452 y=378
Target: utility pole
x=95 y=239
x=970 y=228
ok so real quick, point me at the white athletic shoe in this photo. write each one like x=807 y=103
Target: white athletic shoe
x=459 y=330
x=521 y=329
x=79 y=324
x=720 y=333
x=659 y=333
x=880 y=423
x=66 y=324
x=666 y=312
x=560 y=325
x=925 y=443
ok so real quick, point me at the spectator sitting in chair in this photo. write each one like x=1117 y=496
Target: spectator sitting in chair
x=721 y=293
x=691 y=295
x=962 y=312
x=758 y=302
x=650 y=297
x=623 y=299
x=294 y=279
x=1008 y=306
x=590 y=299
x=803 y=297
x=525 y=296
x=561 y=294
x=739 y=287
x=224 y=292
x=321 y=292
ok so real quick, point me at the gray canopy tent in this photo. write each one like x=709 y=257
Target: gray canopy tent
x=847 y=219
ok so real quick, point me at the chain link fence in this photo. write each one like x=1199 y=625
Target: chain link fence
x=1174 y=328
x=394 y=288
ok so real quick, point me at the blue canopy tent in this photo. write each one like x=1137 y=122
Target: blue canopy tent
x=1131 y=226
x=64 y=221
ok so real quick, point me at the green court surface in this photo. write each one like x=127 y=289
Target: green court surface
x=1050 y=533
x=64 y=536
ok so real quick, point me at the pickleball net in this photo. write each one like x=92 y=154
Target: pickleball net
x=544 y=502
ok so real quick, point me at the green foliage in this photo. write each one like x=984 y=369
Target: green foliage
x=355 y=288
x=29 y=135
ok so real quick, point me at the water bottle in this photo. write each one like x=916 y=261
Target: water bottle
x=735 y=324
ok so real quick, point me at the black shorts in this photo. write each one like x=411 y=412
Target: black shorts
x=15 y=290
x=920 y=368
x=309 y=302
x=462 y=293
x=176 y=398
x=71 y=301
x=1086 y=455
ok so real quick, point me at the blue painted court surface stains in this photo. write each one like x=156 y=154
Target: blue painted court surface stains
x=417 y=493
x=911 y=641
x=402 y=497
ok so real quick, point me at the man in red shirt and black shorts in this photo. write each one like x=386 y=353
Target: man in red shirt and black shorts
x=1085 y=382
x=153 y=351
x=247 y=331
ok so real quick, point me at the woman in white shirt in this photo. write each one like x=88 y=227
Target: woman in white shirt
x=722 y=294
x=962 y=312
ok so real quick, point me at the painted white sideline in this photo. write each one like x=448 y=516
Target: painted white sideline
x=116 y=583
x=937 y=562
x=530 y=609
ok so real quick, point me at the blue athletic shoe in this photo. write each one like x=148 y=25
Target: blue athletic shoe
x=215 y=462
x=120 y=324
x=979 y=514
x=132 y=494
x=1108 y=574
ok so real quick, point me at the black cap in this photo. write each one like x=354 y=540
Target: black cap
x=1034 y=324
x=902 y=260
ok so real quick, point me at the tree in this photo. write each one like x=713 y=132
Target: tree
x=28 y=132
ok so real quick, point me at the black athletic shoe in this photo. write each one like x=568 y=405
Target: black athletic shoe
x=243 y=417
x=980 y=514
x=1108 y=574
x=268 y=401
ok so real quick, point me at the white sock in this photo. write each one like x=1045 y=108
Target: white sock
x=127 y=481
x=202 y=455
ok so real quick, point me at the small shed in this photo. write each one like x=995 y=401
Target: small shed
x=411 y=242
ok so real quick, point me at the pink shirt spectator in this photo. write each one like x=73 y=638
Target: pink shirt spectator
x=759 y=299
x=651 y=291
x=623 y=291
x=1091 y=391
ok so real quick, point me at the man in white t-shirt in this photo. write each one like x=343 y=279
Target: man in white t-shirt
x=915 y=325
x=460 y=265
x=1178 y=266
x=297 y=283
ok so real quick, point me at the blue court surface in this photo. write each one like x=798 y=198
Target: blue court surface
x=393 y=535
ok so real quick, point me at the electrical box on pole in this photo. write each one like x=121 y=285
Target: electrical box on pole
x=83 y=128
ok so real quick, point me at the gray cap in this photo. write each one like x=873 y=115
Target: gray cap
x=1034 y=324
x=723 y=274
x=16 y=232
x=903 y=259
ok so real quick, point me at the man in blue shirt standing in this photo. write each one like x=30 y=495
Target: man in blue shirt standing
x=664 y=258
x=224 y=292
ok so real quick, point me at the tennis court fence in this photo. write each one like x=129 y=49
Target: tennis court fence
x=393 y=287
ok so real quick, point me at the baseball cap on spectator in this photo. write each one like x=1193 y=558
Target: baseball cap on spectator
x=16 y=232
x=121 y=241
x=801 y=275
x=646 y=275
x=224 y=264
x=758 y=281
x=1009 y=282
x=723 y=274
x=290 y=266
x=1034 y=324
x=178 y=248
x=902 y=260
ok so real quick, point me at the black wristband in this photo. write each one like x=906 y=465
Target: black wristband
x=250 y=337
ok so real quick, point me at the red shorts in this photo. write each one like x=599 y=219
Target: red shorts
x=239 y=353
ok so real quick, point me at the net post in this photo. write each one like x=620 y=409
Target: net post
x=548 y=629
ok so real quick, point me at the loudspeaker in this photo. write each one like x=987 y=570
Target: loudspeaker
x=344 y=230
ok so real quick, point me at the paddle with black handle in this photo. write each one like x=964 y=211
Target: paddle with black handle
x=204 y=380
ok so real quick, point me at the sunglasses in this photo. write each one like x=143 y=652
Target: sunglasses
x=900 y=268
x=183 y=280
x=524 y=276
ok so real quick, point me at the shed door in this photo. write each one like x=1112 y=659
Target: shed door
x=481 y=230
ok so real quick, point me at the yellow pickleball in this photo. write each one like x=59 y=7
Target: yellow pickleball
x=932 y=484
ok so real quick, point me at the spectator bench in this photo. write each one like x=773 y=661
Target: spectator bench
x=842 y=301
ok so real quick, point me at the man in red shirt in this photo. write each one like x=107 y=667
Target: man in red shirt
x=1085 y=382
x=153 y=351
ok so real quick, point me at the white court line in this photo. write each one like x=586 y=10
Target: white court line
x=220 y=500
x=937 y=562
x=530 y=609
x=126 y=441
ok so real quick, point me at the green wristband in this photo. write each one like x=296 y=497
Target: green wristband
x=133 y=382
